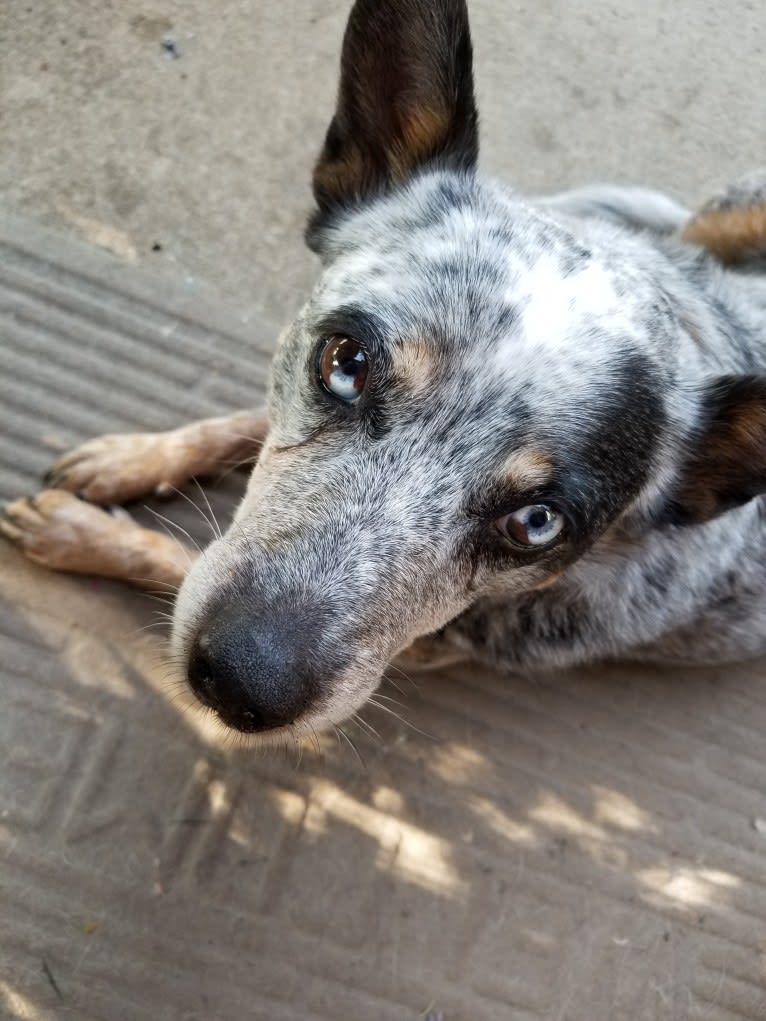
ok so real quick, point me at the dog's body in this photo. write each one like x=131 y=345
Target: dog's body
x=533 y=432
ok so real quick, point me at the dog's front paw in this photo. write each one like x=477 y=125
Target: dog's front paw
x=58 y=531
x=121 y=467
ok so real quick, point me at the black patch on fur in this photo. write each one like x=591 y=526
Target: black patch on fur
x=558 y=625
x=615 y=453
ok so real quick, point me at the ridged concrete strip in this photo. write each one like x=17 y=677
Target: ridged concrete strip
x=89 y=345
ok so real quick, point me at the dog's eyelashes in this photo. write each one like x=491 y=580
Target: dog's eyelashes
x=344 y=368
x=531 y=527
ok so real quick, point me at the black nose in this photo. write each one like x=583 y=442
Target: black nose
x=256 y=666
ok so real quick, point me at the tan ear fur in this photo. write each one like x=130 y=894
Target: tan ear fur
x=728 y=465
x=732 y=226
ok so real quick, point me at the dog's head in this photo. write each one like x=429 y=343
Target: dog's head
x=470 y=398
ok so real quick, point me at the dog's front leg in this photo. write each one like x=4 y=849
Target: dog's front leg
x=115 y=468
x=57 y=530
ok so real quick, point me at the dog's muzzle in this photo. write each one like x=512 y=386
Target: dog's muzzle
x=256 y=666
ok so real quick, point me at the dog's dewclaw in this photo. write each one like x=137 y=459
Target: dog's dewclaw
x=57 y=530
x=121 y=467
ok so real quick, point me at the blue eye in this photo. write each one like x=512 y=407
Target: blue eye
x=531 y=527
x=343 y=368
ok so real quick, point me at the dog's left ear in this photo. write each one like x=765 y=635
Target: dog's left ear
x=727 y=466
x=405 y=102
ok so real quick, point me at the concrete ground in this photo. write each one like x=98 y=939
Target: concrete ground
x=588 y=847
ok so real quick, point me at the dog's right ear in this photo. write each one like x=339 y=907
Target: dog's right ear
x=405 y=102
x=726 y=466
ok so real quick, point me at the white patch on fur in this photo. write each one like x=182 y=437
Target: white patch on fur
x=556 y=306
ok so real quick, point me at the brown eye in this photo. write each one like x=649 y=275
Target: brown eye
x=343 y=368
x=531 y=527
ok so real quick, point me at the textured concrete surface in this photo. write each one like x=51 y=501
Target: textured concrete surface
x=587 y=847
x=209 y=155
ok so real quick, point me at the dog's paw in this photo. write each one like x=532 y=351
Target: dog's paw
x=58 y=531
x=121 y=467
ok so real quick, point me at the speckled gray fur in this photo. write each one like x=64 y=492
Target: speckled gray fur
x=497 y=327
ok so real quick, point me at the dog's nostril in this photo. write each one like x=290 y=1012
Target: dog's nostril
x=250 y=722
x=200 y=672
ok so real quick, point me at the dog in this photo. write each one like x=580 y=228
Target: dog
x=530 y=432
